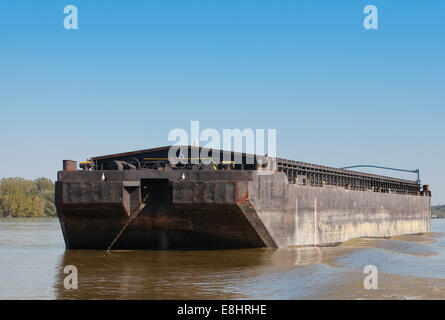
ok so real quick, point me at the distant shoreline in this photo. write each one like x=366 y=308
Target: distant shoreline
x=438 y=212
x=22 y=198
x=38 y=217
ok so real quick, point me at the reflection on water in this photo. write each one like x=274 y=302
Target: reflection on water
x=222 y=274
x=32 y=258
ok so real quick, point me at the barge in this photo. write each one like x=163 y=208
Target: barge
x=144 y=200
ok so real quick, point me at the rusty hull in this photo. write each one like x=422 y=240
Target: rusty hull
x=185 y=209
x=224 y=209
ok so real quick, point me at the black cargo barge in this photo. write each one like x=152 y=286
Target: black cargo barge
x=234 y=201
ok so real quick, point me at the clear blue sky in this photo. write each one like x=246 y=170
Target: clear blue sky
x=336 y=93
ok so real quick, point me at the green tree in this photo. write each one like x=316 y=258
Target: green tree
x=26 y=198
x=438 y=211
x=44 y=184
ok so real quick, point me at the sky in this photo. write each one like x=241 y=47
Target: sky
x=336 y=93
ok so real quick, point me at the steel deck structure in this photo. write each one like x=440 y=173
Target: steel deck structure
x=297 y=172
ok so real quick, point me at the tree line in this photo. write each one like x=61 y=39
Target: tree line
x=20 y=197
x=438 y=211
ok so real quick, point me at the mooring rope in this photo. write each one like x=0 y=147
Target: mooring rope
x=133 y=215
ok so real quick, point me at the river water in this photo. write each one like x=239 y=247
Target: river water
x=33 y=256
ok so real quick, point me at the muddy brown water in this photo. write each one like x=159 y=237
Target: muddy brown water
x=33 y=256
